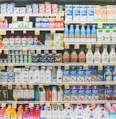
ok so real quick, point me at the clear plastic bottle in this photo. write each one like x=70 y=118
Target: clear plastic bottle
x=71 y=31
x=60 y=94
x=48 y=75
x=88 y=31
x=93 y=32
x=97 y=56
x=105 y=55
x=77 y=32
x=83 y=32
x=112 y=55
x=54 y=93
x=59 y=75
x=42 y=75
x=31 y=76
x=66 y=32
x=36 y=75
x=89 y=56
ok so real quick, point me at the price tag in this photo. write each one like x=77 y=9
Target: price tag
x=12 y=31
x=6 y=51
x=59 y=84
x=58 y=17
x=0 y=51
x=38 y=51
x=10 y=66
x=100 y=25
x=66 y=104
x=98 y=45
x=2 y=66
x=83 y=23
x=2 y=18
x=93 y=104
x=24 y=86
x=66 y=46
x=3 y=105
x=46 y=51
x=85 y=66
x=100 y=67
x=25 y=51
x=66 y=66
x=77 y=46
x=88 y=84
x=47 y=84
x=47 y=104
x=18 y=85
x=3 y=32
x=27 y=65
x=30 y=86
x=40 y=85
x=26 y=18
x=10 y=86
x=4 y=83
x=24 y=31
x=54 y=51
x=58 y=104
x=14 y=105
x=53 y=32
x=37 y=32
x=31 y=105
x=66 y=85
x=14 y=18
x=88 y=46
x=67 y=22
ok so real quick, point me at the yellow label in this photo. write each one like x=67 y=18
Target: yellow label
x=54 y=51
x=93 y=104
x=66 y=46
x=24 y=86
x=66 y=85
x=88 y=83
x=6 y=51
x=2 y=18
x=100 y=25
x=31 y=105
x=10 y=86
x=58 y=104
x=0 y=32
x=18 y=85
x=2 y=66
x=3 y=32
x=66 y=104
x=14 y=105
x=47 y=104
x=40 y=85
x=25 y=51
x=31 y=86
x=59 y=84
x=98 y=45
x=27 y=65
x=61 y=36
x=53 y=32
x=54 y=103
x=38 y=51
x=88 y=46
x=100 y=66
x=14 y=18
x=37 y=32
x=85 y=66
x=66 y=66
x=4 y=83
x=83 y=23
x=10 y=66
x=26 y=18
x=77 y=46
x=0 y=51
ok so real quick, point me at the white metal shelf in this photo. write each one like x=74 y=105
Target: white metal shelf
x=61 y=83
x=59 y=64
x=61 y=102
x=32 y=15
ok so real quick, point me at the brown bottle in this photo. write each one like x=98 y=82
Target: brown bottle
x=66 y=56
x=82 y=56
x=74 y=56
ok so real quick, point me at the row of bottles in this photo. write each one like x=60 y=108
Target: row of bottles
x=84 y=32
x=91 y=57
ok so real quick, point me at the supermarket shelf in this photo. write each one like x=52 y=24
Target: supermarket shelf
x=59 y=102
x=32 y=48
x=32 y=15
x=32 y=29
x=61 y=83
x=60 y=64
x=89 y=22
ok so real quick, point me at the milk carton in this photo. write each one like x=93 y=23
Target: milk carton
x=76 y=13
x=68 y=12
x=83 y=11
x=97 y=13
x=74 y=93
x=90 y=13
x=6 y=41
x=81 y=93
x=88 y=93
x=73 y=74
x=100 y=35
x=94 y=93
x=66 y=75
x=107 y=34
x=67 y=94
x=114 y=34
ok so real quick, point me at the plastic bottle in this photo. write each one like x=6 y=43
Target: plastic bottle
x=105 y=55
x=83 y=32
x=36 y=76
x=112 y=55
x=49 y=112
x=54 y=94
x=42 y=75
x=54 y=112
x=74 y=56
x=102 y=114
x=93 y=32
x=26 y=114
x=37 y=113
x=20 y=113
x=77 y=32
x=37 y=94
x=82 y=56
x=13 y=114
x=91 y=114
x=42 y=94
x=89 y=56
x=59 y=75
x=7 y=112
x=54 y=73
x=97 y=56
x=31 y=93
x=60 y=112
x=31 y=76
x=48 y=94
x=48 y=75
x=79 y=113
x=31 y=114
x=66 y=32
x=71 y=31
x=66 y=56
x=88 y=32
x=60 y=94
x=43 y=112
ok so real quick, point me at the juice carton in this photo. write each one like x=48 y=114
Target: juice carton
x=12 y=40
x=67 y=94
x=97 y=14
x=90 y=13
x=18 y=40
x=83 y=11
x=100 y=34
x=113 y=34
x=74 y=93
x=80 y=74
x=68 y=12
x=73 y=74
x=94 y=92
x=88 y=93
x=100 y=75
x=76 y=12
x=66 y=75
x=81 y=93
x=108 y=33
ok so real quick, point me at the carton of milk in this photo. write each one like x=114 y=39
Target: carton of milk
x=97 y=13
x=88 y=93
x=83 y=11
x=76 y=12
x=67 y=94
x=81 y=93
x=100 y=35
x=66 y=75
x=73 y=74
x=74 y=93
x=68 y=12
x=108 y=34
x=90 y=13
x=94 y=93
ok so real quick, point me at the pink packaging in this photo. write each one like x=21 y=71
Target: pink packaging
x=54 y=8
x=1 y=24
x=41 y=8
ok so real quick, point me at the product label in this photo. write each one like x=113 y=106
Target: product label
x=76 y=12
x=88 y=94
x=67 y=94
x=95 y=93
x=80 y=75
x=81 y=94
x=66 y=76
x=109 y=92
x=74 y=95
x=88 y=75
x=108 y=76
x=73 y=76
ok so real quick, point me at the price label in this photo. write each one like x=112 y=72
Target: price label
x=4 y=84
x=66 y=104
x=0 y=51
x=59 y=84
x=47 y=84
x=25 y=51
x=14 y=18
x=31 y=105
x=66 y=85
x=3 y=105
x=40 y=85
x=38 y=51
x=54 y=51
x=30 y=86
x=77 y=46
x=14 y=105
x=53 y=32
x=66 y=46
x=37 y=32
x=100 y=67
x=88 y=83
x=47 y=104
x=2 y=66
x=12 y=31
x=6 y=51
x=88 y=46
x=83 y=23
x=10 y=86
x=10 y=66
x=66 y=66
x=24 y=31
x=100 y=25
x=0 y=32
x=18 y=85
x=24 y=86
x=85 y=66
x=58 y=17
x=27 y=65
x=67 y=22
x=93 y=104
x=3 y=32
x=98 y=45
x=58 y=104
x=26 y=18
x=2 y=18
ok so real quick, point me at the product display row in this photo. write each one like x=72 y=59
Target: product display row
x=60 y=112
x=34 y=8
x=57 y=93
x=90 y=13
x=59 y=75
